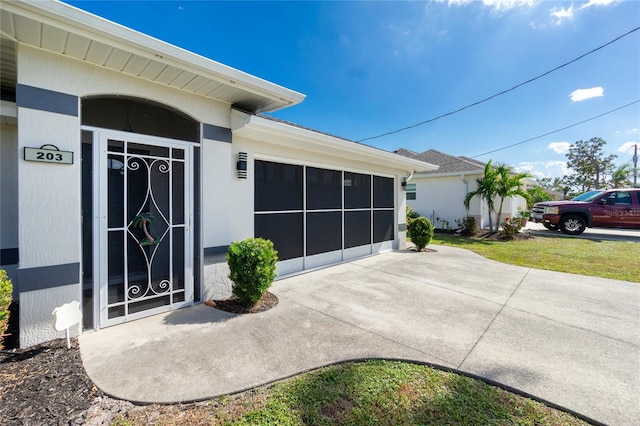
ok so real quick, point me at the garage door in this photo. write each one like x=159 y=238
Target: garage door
x=317 y=216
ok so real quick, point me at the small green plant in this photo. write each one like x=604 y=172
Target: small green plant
x=445 y=225
x=6 y=296
x=421 y=231
x=252 y=264
x=510 y=228
x=468 y=226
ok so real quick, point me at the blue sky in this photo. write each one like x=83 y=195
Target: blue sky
x=373 y=67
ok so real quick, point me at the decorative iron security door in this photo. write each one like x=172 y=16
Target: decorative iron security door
x=145 y=254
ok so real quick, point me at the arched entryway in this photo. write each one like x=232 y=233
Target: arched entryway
x=139 y=168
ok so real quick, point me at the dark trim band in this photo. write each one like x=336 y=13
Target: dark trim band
x=215 y=255
x=217 y=133
x=9 y=256
x=46 y=100
x=45 y=277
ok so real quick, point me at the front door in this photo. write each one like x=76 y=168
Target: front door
x=143 y=246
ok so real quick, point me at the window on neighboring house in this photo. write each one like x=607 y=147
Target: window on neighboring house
x=411 y=191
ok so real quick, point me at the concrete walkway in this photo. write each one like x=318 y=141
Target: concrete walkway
x=571 y=340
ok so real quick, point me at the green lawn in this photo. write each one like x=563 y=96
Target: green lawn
x=607 y=259
x=367 y=393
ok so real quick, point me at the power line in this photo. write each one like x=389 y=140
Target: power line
x=558 y=130
x=500 y=93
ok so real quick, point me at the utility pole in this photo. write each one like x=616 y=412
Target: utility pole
x=635 y=166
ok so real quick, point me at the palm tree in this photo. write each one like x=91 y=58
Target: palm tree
x=486 y=191
x=621 y=177
x=508 y=185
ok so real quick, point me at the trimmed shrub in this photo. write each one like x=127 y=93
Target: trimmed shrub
x=252 y=263
x=6 y=296
x=410 y=216
x=510 y=228
x=421 y=231
x=468 y=226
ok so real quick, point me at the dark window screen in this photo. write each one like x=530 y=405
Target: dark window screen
x=324 y=232
x=382 y=192
x=382 y=226
x=357 y=191
x=284 y=229
x=324 y=189
x=277 y=186
x=357 y=228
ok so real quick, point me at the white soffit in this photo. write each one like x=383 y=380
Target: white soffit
x=256 y=128
x=66 y=30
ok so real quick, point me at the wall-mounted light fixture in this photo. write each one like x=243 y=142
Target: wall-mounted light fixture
x=241 y=165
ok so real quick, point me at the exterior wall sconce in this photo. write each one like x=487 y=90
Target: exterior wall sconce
x=241 y=165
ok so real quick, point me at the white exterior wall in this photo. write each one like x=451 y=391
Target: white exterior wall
x=443 y=197
x=217 y=197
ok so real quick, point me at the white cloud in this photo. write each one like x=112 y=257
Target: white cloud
x=559 y=147
x=584 y=94
x=592 y=3
x=498 y=5
x=628 y=147
x=561 y=14
x=554 y=169
x=526 y=167
x=539 y=170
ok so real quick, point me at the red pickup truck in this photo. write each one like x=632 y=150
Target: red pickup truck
x=612 y=208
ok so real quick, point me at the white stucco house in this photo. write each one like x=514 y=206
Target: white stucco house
x=439 y=194
x=129 y=165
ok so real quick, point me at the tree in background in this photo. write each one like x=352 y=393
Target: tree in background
x=537 y=195
x=589 y=164
x=622 y=176
x=486 y=191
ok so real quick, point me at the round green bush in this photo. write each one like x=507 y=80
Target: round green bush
x=252 y=264
x=421 y=231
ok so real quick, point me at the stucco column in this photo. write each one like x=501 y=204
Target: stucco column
x=48 y=209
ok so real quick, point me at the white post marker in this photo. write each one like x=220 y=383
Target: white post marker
x=65 y=316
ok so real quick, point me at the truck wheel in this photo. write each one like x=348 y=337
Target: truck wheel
x=572 y=224
x=550 y=227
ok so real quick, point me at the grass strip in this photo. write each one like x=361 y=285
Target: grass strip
x=363 y=393
x=606 y=259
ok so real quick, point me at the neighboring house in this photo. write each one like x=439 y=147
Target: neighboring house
x=439 y=194
x=129 y=165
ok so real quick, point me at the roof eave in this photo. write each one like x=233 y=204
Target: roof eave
x=447 y=174
x=252 y=127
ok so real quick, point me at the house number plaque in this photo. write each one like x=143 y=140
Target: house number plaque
x=48 y=154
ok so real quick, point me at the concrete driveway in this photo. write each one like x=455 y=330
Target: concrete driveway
x=568 y=339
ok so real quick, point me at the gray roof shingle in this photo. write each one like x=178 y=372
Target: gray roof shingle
x=448 y=163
